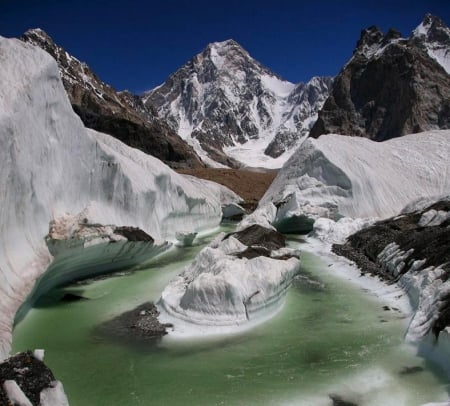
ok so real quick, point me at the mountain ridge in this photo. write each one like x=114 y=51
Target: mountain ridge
x=227 y=104
x=120 y=114
x=391 y=86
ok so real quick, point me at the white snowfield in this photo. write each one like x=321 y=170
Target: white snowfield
x=337 y=176
x=52 y=167
x=220 y=289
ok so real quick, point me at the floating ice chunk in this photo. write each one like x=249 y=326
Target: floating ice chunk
x=220 y=289
x=39 y=355
x=185 y=238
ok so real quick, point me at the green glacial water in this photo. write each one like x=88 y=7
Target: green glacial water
x=329 y=339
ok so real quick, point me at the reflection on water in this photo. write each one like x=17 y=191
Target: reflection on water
x=328 y=340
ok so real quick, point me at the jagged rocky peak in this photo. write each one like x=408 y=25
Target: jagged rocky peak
x=369 y=37
x=39 y=35
x=372 y=39
x=392 y=86
x=433 y=29
x=433 y=36
x=229 y=106
x=120 y=114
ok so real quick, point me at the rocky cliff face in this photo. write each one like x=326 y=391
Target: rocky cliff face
x=120 y=114
x=392 y=86
x=227 y=104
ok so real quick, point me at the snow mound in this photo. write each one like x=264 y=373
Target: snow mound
x=223 y=287
x=337 y=176
x=52 y=167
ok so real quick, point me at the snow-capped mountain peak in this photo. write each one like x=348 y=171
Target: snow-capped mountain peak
x=434 y=36
x=228 y=105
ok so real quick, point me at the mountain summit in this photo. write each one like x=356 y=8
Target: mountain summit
x=392 y=86
x=230 y=107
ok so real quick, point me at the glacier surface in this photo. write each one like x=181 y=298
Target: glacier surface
x=53 y=167
x=337 y=176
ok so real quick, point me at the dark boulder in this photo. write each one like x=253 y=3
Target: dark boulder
x=31 y=374
x=258 y=236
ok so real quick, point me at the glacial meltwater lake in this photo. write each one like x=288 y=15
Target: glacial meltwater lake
x=329 y=340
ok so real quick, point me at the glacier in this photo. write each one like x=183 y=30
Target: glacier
x=338 y=176
x=55 y=170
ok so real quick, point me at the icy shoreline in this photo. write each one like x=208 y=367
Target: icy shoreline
x=400 y=295
x=392 y=295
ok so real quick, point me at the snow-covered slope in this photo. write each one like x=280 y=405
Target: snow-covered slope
x=434 y=35
x=52 y=167
x=225 y=101
x=335 y=176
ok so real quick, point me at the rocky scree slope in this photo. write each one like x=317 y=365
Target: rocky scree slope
x=230 y=107
x=120 y=114
x=392 y=86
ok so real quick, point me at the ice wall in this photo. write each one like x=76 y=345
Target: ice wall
x=335 y=176
x=51 y=165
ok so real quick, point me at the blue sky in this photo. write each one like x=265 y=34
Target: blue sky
x=135 y=45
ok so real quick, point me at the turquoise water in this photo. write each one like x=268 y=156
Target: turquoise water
x=329 y=338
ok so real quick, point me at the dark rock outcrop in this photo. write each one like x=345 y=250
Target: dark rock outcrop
x=133 y=234
x=139 y=324
x=261 y=237
x=431 y=243
x=339 y=401
x=391 y=86
x=31 y=374
x=120 y=114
